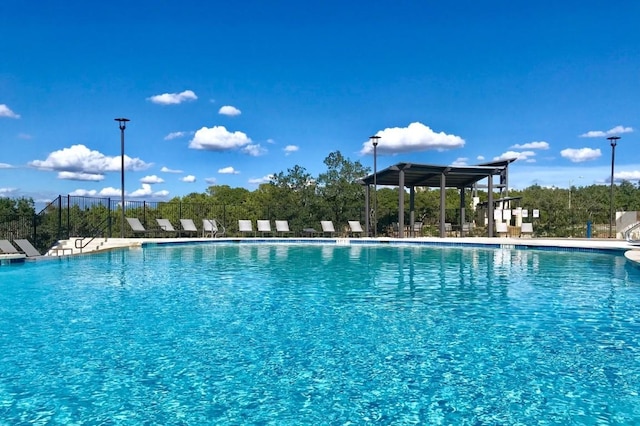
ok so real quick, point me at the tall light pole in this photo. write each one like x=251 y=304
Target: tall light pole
x=614 y=142
x=122 y=123
x=374 y=140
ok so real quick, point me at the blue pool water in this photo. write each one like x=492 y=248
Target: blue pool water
x=299 y=334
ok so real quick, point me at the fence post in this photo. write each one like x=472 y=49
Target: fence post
x=588 y=229
x=59 y=236
x=68 y=215
x=109 y=216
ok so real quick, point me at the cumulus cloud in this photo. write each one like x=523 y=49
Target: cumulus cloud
x=525 y=156
x=480 y=158
x=623 y=175
x=7 y=191
x=460 y=161
x=228 y=171
x=413 y=138
x=151 y=179
x=5 y=111
x=173 y=98
x=264 y=179
x=289 y=149
x=531 y=145
x=229 y=110
x=5 y=166
x=218 y=138
x=600 y=134
x=80 y=159
x=168 y=170
x=254 y=150
x=145 y=191
x=175 y=135
x=210 y=180
x=580 y=155
x=189 y=179
x=93 y=177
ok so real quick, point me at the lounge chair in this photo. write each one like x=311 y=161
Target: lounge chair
x=448 y=229
x=282 y=227
x=27 y=248
x=466 y=229
x=136 y=226
x=417 y=229
x=327 y=227
x=264 y=226
x=165 y=225
x=245 y=227
x=211 y=227
x=526 y=230
x=355 y=228
x=188 y=226
x=7 y=248
x=502 y=229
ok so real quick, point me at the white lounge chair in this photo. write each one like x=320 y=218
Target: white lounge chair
x=355 y=228
x=327 y=227
x=165 y=225
x=27 y=248
x=136 y=226
x=502 y=230
x=282 y=227
x=212 y=227
x=526 y=230
x=7 y=248
x=264 y=226
x=245 y=226
x=189 y=226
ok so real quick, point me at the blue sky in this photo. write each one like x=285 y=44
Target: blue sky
x=230 y=92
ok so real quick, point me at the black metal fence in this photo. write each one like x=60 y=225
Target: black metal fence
x=70 y=216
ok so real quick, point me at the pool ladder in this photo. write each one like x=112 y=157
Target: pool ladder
x=627 y=233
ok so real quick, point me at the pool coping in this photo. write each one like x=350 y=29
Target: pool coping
x=618 y=247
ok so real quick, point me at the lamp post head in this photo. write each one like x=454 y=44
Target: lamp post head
x=613 y=140
x=374 y=139
x=122 y=122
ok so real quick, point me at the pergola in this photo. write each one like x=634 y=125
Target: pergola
x=412 y=175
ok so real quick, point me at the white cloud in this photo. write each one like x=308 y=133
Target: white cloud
x=480 y=158
x=633 y=175
x=254 y=150
x=174 y=135
x=210 y=180
x=289 y=149
x=6 y=191
x=270 y=141
x=263 y=179
x=94 y=177
x=580 y=155
x=110 y=192
x=600 y=134
x=228 y=171
x=151 y=179
x=531 y=145
x=5 y=111
x=413 y=138
x=218 y=138
x=189 y=179
x=520 y=156
x=229 y=110
x=460 y=161
x=80 y=159
x=173 y=98
x=146 y=191
x=5 y=166
x=168 y=170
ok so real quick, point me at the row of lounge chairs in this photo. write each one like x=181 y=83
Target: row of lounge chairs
x=211 y=228
x=25 y=246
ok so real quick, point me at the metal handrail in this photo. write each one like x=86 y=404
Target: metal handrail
x=99 y=229
x=627 y=233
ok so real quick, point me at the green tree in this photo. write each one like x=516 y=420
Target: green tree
x=342 y=194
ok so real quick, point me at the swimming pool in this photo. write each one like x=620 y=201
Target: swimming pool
x=321 y=334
